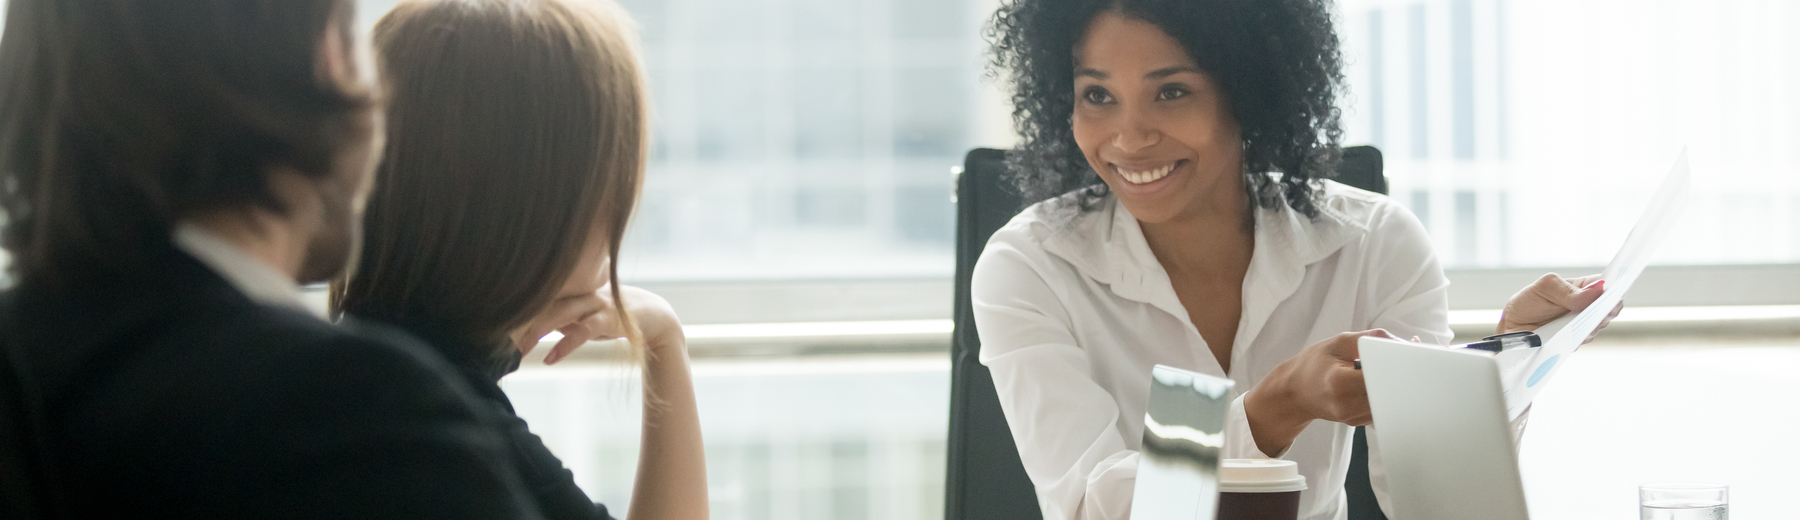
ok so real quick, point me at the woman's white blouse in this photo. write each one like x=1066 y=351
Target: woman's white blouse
x=1074 y=310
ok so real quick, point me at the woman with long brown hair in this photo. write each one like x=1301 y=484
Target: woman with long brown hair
x=515 y=154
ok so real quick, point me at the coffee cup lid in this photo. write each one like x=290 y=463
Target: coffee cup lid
x=1260 y=476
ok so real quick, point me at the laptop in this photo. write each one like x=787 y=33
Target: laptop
x=1440 y=422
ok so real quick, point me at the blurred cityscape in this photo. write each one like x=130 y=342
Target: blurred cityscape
x=814 y=138
x=1533 y=132
x=804 y=138
x=856 y=438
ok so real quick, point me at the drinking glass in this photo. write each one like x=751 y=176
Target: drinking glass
x=1683 y=501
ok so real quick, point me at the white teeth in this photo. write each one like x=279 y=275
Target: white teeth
x=1145 y=177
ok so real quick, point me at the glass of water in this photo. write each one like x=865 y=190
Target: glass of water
x=1683 y=501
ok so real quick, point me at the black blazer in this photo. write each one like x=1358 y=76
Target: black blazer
x=166 y=392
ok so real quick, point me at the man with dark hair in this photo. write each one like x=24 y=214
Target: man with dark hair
x=170 y=171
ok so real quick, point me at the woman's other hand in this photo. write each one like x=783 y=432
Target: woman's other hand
x=1552 y=297
x=1321 y=382
x=590 y=317
x=671 y=473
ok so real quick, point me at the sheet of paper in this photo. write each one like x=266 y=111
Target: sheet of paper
x=1525 y=378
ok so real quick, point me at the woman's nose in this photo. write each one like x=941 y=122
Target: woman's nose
x=1135 y=135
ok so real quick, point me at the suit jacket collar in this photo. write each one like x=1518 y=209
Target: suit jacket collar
x=67 y=329
x=249 y=275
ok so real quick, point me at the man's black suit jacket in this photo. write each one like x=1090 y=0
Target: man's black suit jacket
x=166 y=392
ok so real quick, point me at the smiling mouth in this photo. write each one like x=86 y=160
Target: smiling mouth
x=1146 y=176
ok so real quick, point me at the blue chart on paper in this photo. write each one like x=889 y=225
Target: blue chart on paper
x=1542 y=370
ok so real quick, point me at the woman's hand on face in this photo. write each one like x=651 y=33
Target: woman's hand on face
x=591 y=316
x=1321 y=382
x=1552 y=297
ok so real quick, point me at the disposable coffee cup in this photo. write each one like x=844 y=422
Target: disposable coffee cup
x=1259 y=489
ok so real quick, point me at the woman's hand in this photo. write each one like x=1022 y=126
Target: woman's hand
x=1552 y=297
x=590 y=316
x=1321 y=382
x=671 y=477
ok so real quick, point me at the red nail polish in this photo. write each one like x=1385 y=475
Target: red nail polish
x=1595 y=283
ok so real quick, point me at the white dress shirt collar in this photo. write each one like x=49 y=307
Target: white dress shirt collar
x=257 y=280
x=1285 y=243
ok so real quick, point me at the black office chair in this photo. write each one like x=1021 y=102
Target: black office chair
x=1362 y=168
x=985 y=479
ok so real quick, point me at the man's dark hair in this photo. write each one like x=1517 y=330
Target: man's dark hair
x=1276 y=60
x=120 y=117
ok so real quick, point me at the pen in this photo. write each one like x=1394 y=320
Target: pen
x=1496 y=344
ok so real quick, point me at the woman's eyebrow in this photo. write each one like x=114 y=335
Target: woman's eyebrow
x=1092 y=73
x=1170 y=71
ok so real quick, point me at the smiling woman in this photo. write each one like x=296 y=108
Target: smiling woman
x=1192 y=140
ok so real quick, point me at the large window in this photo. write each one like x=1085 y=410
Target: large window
x=813 y=138
x=1530 y=133
x=804 y=138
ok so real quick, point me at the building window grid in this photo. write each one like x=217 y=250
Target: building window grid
x=1462 y=94
x=835 y=149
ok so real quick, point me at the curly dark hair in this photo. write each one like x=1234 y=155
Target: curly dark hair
x=1276 y=60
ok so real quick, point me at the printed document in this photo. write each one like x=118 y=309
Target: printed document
x=1523 y=378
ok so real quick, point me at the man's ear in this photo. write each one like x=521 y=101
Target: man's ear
x=338 y=60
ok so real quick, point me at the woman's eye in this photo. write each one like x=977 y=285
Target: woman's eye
x=1096 y=95
x=1168 y=93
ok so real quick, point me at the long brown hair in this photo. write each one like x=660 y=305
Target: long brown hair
x=120 y=117
x=514 y=127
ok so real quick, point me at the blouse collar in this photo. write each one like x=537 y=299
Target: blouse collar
x=1108 y=246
